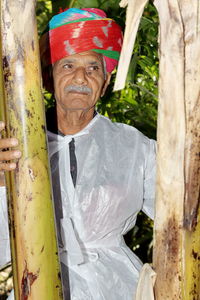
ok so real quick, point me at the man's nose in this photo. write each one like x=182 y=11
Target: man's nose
x=80 y=76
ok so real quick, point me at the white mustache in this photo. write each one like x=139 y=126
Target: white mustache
x=79 y=89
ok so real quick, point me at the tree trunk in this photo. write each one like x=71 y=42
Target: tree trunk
x=33 y=239
x=177 y=223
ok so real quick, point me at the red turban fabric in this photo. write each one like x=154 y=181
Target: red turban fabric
x=78 y=30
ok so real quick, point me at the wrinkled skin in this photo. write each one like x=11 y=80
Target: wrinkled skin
x=84 y=73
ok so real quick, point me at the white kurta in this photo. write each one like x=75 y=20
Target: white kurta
x=115 y=180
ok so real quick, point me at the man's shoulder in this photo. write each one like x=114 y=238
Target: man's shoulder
x=122 y=129
x=126 y=138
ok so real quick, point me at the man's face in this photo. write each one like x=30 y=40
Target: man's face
x=79 y=80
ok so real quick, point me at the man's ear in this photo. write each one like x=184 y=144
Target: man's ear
x=106 y=83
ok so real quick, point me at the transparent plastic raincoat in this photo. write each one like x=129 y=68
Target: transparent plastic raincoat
x=115 y=180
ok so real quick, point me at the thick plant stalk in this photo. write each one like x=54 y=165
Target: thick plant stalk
x=33 y=238
x=177 y=223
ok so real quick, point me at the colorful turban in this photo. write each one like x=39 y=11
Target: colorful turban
x=78 y=30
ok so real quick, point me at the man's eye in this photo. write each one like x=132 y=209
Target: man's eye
x=93 y=68
x=68 y=66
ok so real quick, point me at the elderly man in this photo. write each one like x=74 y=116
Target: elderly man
x=103 y=173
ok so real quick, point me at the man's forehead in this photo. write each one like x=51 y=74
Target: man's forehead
x=89 y=56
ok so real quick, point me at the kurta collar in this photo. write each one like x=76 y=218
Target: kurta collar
x=69 y=137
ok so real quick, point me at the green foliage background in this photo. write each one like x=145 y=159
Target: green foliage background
x=136 y=104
